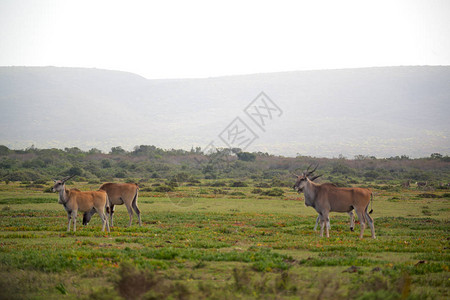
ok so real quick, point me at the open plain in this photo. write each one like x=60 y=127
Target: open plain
x=207 y=242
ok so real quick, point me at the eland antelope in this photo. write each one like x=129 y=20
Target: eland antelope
x=406 y=184
x=350 y=213
x=75 y=200
x=421 y=184
x=326 y=198
x=119 y=193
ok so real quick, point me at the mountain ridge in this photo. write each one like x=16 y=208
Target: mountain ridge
x=382 y=111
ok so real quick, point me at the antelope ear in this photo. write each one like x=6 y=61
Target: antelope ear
x=295 y=175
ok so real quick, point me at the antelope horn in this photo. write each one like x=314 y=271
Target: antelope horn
x=315 y=177
x=67 y=178
x=310 y=172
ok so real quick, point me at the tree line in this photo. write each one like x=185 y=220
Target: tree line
x=146 y=162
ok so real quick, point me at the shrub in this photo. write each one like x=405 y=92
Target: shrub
x=240 y=194
x=428 y=195
x=278 y=183
x=218 y=184
x=173 y=183
x=340 y=168
x=238 y=184
x=40 y=181
x=48 y=190
x=219 y=191
x=75 y=171
x=26 y=175
x=106 y=163
x=246 y=156
x=4 y=150
x=257 y=191
x=371 y=175
x=133 y=283
x=163 y=189
x=276 y=192
x=34 y=185
x=120 y=174
x=181 y=177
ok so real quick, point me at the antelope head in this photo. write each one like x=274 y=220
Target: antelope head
x=303 y=179
x=59 y=184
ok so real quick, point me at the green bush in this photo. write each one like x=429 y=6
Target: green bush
x=120 y=174
x=238 y=184
x=246 y=156
x=371 y=175
x=276 y=192
x=257 y=191
x=23 y=175
x=40 y=181
x=163 y=189
x=218 y=184
x=4 y=150
x=340 y=168
x=279 y=183
x=173 y=183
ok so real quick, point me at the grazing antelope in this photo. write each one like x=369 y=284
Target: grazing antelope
x=119 y=193
x=406 y=184
x=75 y=200
x=326 y=198
x=421 y=184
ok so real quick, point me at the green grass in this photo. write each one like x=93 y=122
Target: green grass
x=198 y=244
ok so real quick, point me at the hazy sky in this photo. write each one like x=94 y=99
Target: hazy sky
x=173 y=39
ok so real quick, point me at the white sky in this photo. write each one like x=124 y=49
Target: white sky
x=178 y=39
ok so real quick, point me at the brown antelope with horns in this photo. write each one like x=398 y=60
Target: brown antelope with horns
x=119 y=193
x=350 y=213
x=75 y=200
x=326 y=198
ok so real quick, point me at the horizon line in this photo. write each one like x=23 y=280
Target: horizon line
x=229 y=75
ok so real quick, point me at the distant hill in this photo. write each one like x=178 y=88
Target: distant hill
x=373 y=111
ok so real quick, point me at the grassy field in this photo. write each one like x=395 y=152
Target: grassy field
x=203 y=242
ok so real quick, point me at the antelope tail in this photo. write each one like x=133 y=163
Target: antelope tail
x=107 y=206
x=371 y=202
x=135 y=195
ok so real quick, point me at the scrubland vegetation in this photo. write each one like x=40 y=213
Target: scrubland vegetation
x=146 y=162
x=221 y=226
